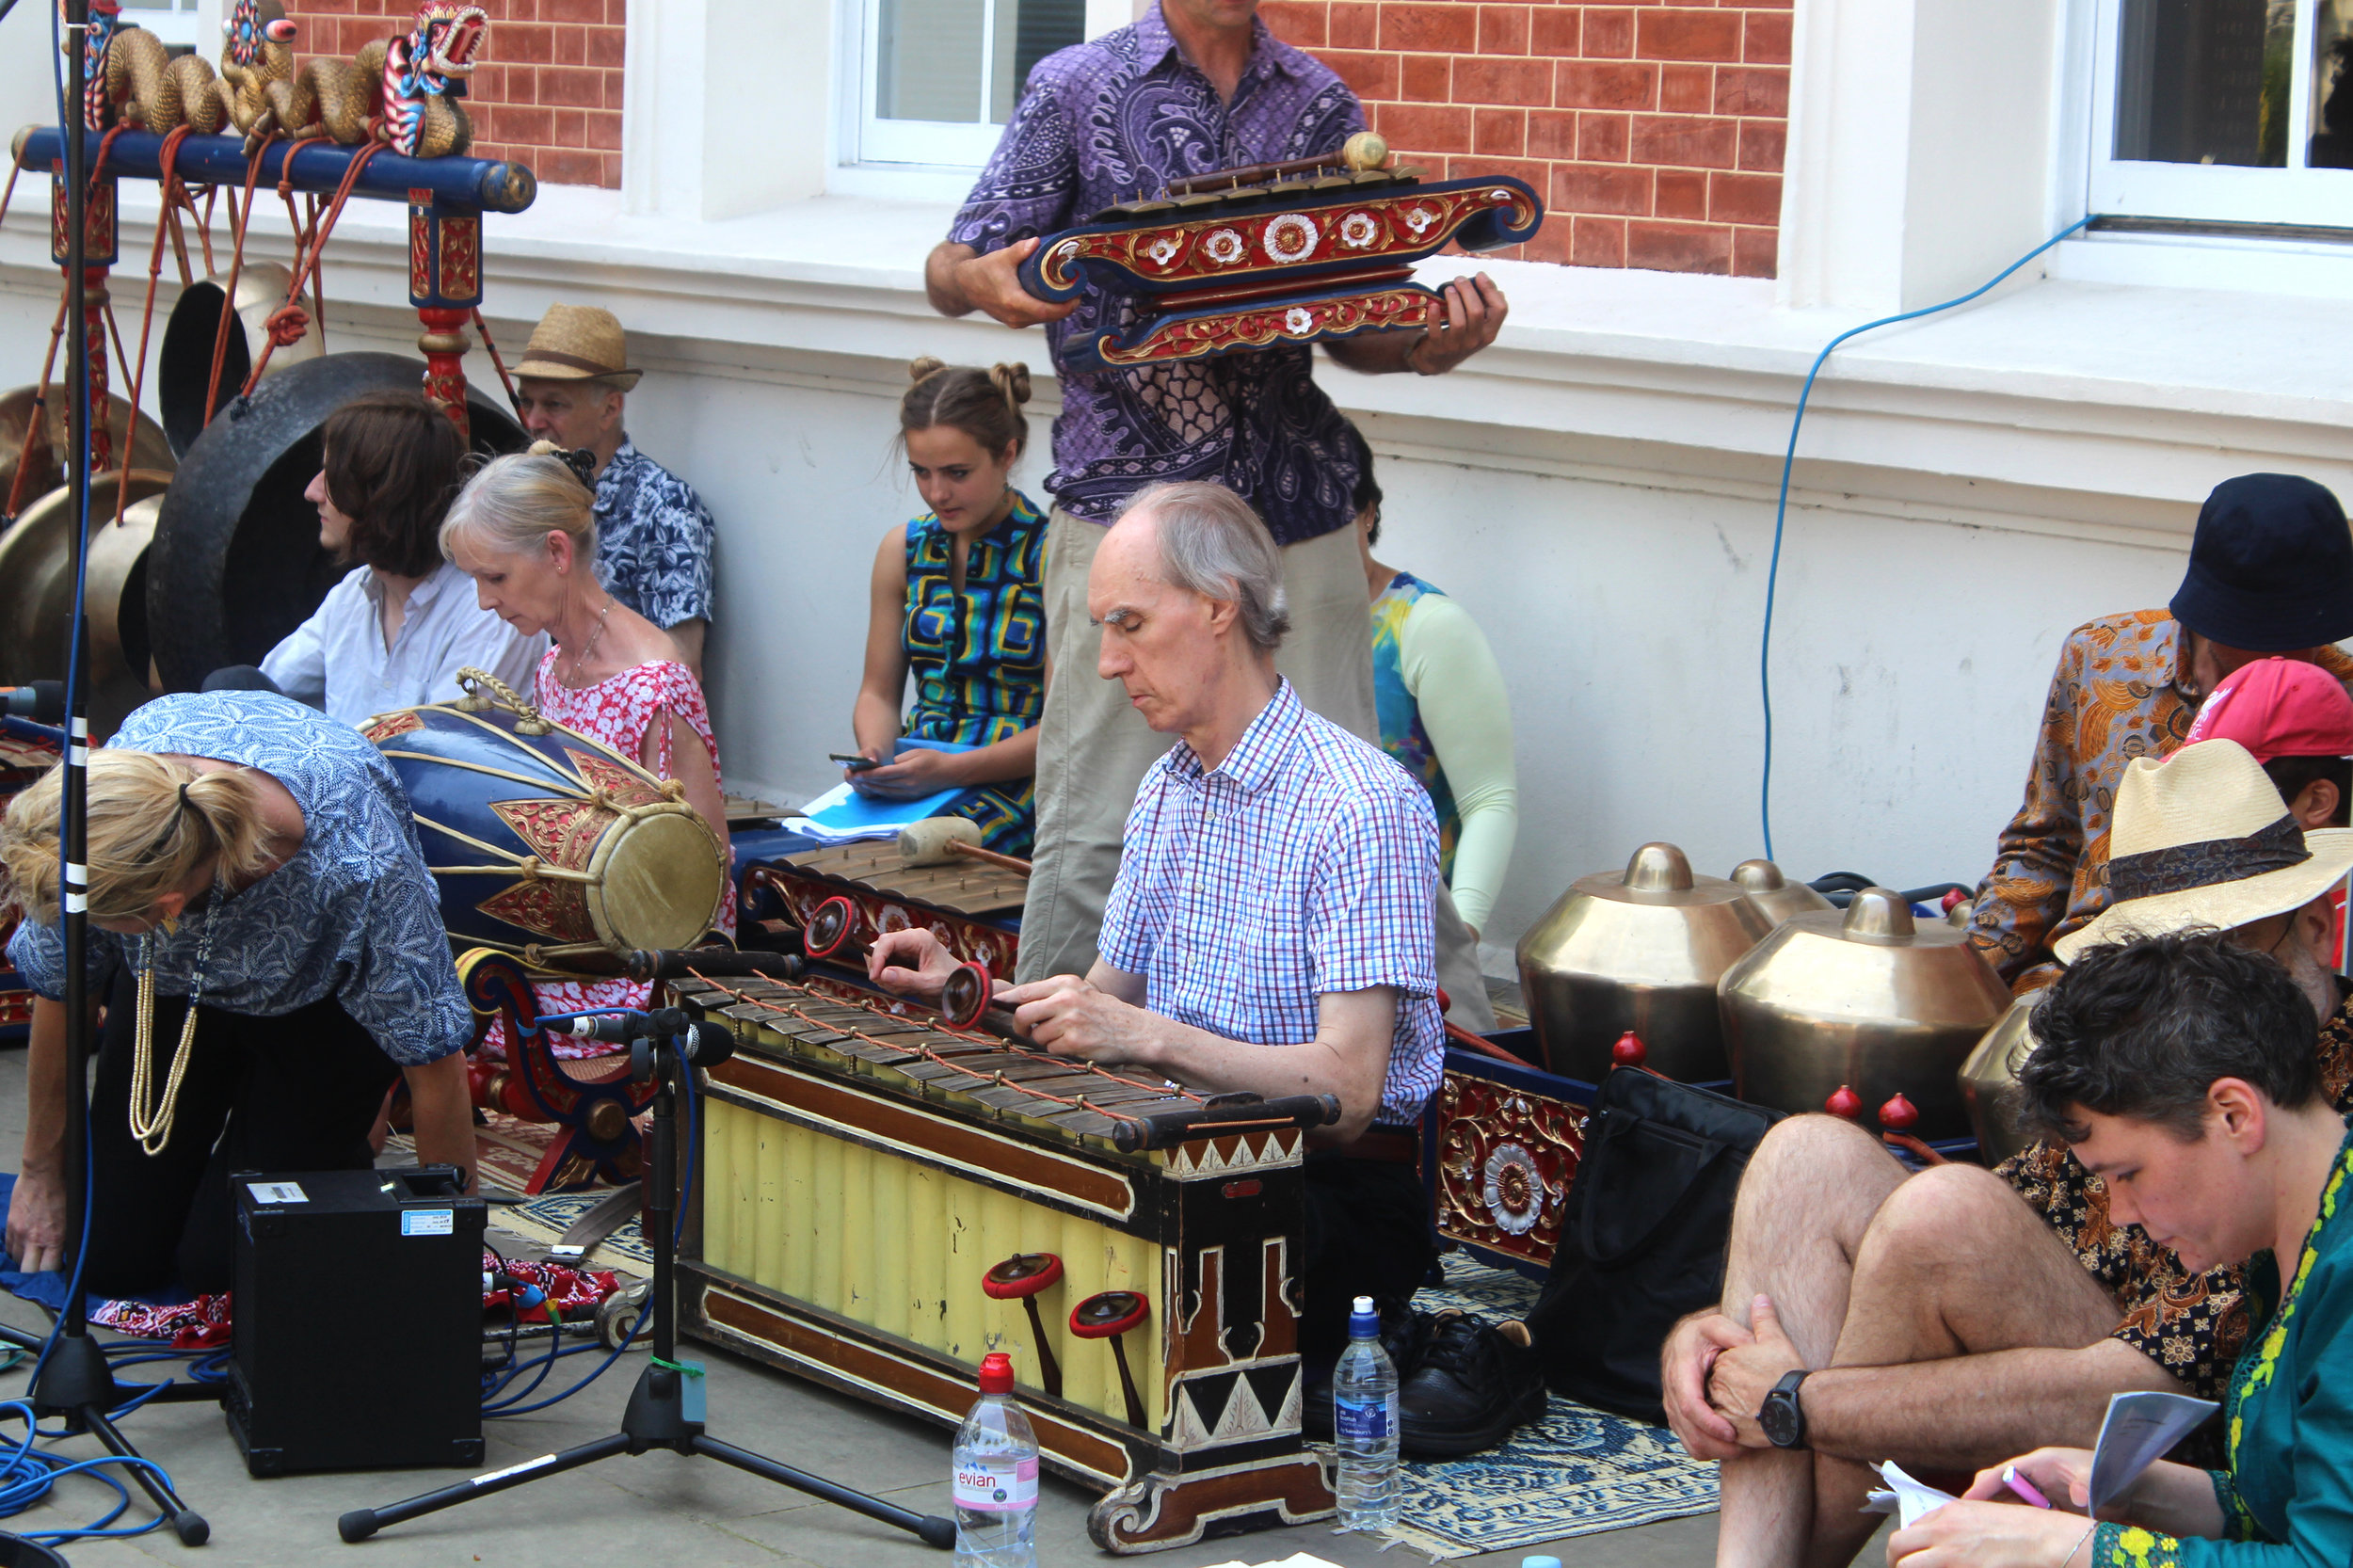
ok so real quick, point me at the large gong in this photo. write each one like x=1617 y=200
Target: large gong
x=237 y=564
x=36 y=593
x=44 y=456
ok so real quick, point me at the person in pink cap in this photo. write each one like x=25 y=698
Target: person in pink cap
x=2297 y=720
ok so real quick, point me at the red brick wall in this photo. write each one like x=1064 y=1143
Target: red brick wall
x=1655 y=132
x=546 y=90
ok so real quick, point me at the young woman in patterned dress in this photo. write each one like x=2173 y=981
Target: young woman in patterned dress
x=958 y=598
x=524 y=529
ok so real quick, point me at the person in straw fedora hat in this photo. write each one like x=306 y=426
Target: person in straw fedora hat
x=1952 y=1319
x=653 y=532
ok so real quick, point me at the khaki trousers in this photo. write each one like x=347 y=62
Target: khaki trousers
x=1094 y=748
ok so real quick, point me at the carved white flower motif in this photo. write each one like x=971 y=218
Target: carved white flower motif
x=1224 y=247
x=1290 y=237
x=1358 y=230
x=1513 y=1189
x=1419 y=219
x=1163 y=251
x=1297 y=320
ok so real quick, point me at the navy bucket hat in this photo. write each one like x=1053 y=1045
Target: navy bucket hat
x=2271 y=566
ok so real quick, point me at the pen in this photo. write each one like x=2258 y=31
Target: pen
x=2025 y=1488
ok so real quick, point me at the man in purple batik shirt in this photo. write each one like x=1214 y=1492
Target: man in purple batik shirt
x=1192 y=87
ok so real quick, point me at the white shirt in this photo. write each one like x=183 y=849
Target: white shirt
x=337 y=659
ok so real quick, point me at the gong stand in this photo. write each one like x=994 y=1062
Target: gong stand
x=72 y=1381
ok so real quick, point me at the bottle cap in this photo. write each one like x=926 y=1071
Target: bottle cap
x=1364 y=1322
x=996 y=1373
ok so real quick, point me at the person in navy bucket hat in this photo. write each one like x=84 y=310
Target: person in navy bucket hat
x=2270 y=567
x=2270 y=573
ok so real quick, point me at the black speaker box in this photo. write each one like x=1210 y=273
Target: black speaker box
x=359 y=1321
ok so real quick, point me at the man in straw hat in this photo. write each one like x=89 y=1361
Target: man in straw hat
x=2270 y=571
x=653 y=533
x=1952 y=1319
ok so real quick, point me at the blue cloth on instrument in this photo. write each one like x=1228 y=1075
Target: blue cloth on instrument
x=1118 y=116
x=653 y=540
x=1303 y=865
x=355 y=913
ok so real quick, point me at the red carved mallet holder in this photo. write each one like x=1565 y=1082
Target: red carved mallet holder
x=1107 y=1316
x=98 y=242
x=445 y=286
x=1023 y=1277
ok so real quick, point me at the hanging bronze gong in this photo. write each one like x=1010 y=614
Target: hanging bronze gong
x=237 y=563
x=45 y=460
x=36 y=594
x=184 y=372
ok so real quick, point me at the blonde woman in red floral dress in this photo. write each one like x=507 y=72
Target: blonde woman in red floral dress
x=524 y=529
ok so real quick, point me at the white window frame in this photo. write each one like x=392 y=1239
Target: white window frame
x=911 y=143
x=182 y=23
x=2316 y=198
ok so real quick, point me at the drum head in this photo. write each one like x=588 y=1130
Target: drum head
x=663 y=884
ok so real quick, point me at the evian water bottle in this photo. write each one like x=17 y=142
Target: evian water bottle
x=996 y=1479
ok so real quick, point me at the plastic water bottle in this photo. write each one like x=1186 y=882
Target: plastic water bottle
x=1364 y=1421
x=996 y=1479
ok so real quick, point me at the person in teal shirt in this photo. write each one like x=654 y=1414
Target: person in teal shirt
x=957 y=601
x=2180 y=1069
x=1444 y=714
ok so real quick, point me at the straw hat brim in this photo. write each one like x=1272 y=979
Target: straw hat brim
x=546 y=370
x=2224 y=905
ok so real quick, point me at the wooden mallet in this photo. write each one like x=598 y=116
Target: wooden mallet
x=937 y=840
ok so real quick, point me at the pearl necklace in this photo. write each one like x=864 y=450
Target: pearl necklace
x=151 y=1123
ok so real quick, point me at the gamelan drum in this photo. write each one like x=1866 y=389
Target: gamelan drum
x=547 y=844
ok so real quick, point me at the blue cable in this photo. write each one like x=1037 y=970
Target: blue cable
x=686 y=1189
x=1781 y=508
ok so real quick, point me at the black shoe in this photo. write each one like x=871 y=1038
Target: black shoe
x=1403 y=1332
x=1475 y=1385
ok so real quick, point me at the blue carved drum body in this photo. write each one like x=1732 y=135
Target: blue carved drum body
x=547 y=844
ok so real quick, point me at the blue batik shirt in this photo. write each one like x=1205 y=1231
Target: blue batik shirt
x=1118 y=116
x=354 y=914
x=653 y=540
x=1302 y=865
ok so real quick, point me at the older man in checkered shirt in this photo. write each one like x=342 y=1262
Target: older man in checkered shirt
x=1270 y=928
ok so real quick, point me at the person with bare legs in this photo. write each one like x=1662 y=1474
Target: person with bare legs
x=1950 y=1318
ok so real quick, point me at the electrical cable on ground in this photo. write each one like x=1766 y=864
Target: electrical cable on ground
x=1780 y=507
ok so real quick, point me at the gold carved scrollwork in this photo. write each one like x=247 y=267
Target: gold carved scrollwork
x=1506 y=1158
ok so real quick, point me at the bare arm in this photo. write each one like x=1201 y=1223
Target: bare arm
x=443 y=1109
x=690 y=764
x=959 y=280
x=1475 y=309
x=2001 y=1403
x=874 y=718
x=36 y=1233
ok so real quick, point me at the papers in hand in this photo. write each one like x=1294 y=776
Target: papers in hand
x=2138 y=1430
x=842 y=815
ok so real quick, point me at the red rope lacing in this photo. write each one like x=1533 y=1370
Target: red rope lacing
x=289 y=321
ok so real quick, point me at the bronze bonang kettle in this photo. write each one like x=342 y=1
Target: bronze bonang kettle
x=1640 y=950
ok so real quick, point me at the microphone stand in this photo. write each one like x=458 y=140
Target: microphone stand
x=664 y=1412
x=74 y=1381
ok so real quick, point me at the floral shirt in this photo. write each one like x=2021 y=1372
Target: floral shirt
x=2192 y=1326
x=620 y=711
x=1123 y=113
x=653 y=540
x=2118 y=693
x=354 y=914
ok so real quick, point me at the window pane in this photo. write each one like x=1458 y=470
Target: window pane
x=2332 y=86
x=928 y=62
x=2204 y=81
x=1027 y=32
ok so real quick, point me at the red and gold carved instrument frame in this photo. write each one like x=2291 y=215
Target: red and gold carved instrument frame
x=1288 y=262
x=1500 y=1143
x=884 y=1200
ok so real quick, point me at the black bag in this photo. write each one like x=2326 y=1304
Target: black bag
x=1642 y=1235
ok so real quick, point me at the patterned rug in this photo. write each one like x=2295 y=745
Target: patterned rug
x=1578 y=1472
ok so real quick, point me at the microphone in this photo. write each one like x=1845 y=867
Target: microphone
x=44 y=701
x=702 y=1044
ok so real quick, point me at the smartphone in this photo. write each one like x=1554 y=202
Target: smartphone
x=856 y=764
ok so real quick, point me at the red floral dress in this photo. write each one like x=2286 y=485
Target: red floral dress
x=619 y=711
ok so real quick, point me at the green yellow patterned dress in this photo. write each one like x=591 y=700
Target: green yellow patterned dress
x=2287 y=1498
x=978 y=654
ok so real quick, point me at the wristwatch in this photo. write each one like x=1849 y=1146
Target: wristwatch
x=1782 y=1417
